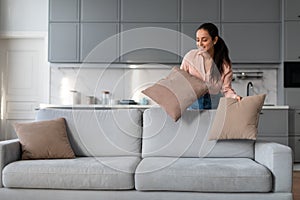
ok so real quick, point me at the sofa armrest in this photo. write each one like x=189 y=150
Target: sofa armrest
x=278 y=159
x=10 y=151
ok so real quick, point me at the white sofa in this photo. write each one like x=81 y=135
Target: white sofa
x=133 y=154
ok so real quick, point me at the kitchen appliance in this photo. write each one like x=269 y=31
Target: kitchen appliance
x=292 y=74
x=292 y=84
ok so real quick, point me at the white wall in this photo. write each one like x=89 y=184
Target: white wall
x=23 y=54
x=23 y=15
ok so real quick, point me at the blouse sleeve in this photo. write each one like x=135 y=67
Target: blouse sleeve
x=227 y=79
x=185 y=65
x=191 y=64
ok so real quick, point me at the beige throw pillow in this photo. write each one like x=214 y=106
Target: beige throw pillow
x=176 y=92
x=237 y=119
x=44 y=139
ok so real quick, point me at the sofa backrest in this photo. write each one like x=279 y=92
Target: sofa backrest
x=188 y=137
x=92 y=132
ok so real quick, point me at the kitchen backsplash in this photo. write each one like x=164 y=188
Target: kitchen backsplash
x=128 y=82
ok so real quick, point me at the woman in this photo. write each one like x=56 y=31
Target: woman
x=211 y=63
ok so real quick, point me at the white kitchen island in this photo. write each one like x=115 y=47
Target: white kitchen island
x=123 y=106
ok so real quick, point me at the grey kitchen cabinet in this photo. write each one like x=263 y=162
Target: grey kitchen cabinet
x=251 y=29
x=291 y=97
x=64 y=10
x=253 y=42
x=149 y=42
x=99 y=42
x=273 y=122
x=63 y=42
x=200 y=11
x=292 y=30
x=99 y=10
x=294 y=122
x=251 y=11
x=188 y=36
x=292 y=10
x=292 y=41
x=280 y=140
x=274 y=125
x=294 y=133
x=294 y=143
x=150 y=11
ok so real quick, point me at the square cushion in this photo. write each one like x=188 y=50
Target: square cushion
x=44 y=139
x=176 y=92
x=237 y=119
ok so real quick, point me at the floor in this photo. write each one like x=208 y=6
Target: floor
x=296 y=185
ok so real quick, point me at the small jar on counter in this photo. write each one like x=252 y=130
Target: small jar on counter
x=90 y=100
x=76 y=97
x=105 y=97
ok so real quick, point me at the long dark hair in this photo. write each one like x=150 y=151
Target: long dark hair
x=221 y=53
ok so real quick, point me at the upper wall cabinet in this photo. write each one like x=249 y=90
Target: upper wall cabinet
x=149 y=42
x=64 y=10
x=78 y=28
x=150 y=11
x=200 y=10
x=292 y=30
x=292 y=41
x=99 y=42
x=292 y=10
x=99 y=10
x=64 y=42
x=253 y=42
x=99 y=31
x=149 y=31
x=251 y=11
x=252 y=30
x=63 y=31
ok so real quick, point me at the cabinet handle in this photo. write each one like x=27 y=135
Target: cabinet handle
x=261 y=113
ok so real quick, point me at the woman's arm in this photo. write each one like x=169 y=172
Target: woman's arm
x=227 y=89
x=192 y=63
x=184 y=65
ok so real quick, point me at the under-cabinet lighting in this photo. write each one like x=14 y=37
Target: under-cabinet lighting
x=248 y=75
x=132 y=66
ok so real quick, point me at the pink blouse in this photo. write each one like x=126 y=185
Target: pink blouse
x=198 y=63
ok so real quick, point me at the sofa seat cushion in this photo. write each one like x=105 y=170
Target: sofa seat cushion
x=202 y=175
x=109 y=173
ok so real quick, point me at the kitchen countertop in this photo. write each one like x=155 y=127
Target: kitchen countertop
x=278 y=107
x=95 y=106
x=100 y=106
